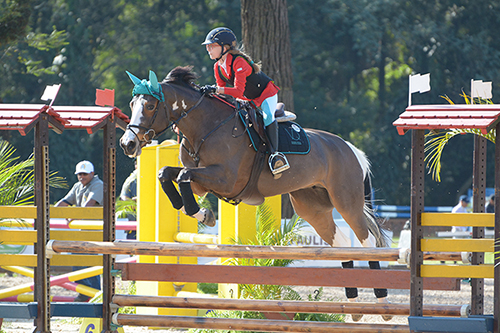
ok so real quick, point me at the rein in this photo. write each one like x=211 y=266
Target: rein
x=195 y=155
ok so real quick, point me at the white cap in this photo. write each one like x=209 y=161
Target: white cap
x=84 y=167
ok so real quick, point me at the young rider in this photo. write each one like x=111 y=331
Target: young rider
x=238 y=76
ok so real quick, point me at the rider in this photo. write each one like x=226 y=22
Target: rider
x=238 y=76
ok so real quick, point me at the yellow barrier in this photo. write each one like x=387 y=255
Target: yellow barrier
x=457 y=271
x=158 y=221
x=458 y=245
x=458 y=219
x=29 y=212
x=28 y=237
x=191 y=237
x=29 y=260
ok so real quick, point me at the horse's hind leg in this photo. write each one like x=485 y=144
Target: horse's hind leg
x=314 y=206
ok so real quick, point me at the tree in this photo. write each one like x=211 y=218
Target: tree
x=266 y=37
x=14 y=19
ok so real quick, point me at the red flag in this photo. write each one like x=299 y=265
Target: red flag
x=105 y=97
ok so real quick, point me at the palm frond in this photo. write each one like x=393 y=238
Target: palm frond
x=125 y=208
x=17 y=177
x=437 y=141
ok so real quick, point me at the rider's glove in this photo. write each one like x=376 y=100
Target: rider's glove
x=208 y=89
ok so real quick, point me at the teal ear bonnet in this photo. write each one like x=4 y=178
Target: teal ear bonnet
x=143 y=87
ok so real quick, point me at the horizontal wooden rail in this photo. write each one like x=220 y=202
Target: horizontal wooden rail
x=239 y=251
x=459 y=271
x=458 y=219
x=29 y=212
x=286 y=306
x=288 y=276
x=468 y=245
x=260 y=325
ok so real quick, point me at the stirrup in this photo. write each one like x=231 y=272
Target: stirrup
x=280 y=157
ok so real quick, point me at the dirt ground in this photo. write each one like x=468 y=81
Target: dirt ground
x=72 y=325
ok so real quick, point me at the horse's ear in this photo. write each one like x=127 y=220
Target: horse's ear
x=153 y=80
x=132 y=77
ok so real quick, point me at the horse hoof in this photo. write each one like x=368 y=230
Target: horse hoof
x=384 y=300
x=356 y=317
x=387 y=317
x=209 y=219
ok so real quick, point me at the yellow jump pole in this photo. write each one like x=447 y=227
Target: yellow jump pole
x=80 y=288
x=54 y=281
x=158 y=221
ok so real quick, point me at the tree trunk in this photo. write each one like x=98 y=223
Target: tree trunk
x=266 y=37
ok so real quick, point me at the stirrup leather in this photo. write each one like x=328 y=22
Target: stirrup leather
x=277 y=156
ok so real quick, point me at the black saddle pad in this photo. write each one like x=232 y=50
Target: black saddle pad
x=292 y=137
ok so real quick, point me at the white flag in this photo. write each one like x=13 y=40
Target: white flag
x=420 y=83
x=481 y=89
x=50 y=93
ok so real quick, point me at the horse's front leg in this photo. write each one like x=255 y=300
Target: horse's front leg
x=184 y=201
x=166 y=175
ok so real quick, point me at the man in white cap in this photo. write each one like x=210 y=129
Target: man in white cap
x=87 y=192
x=461 y=207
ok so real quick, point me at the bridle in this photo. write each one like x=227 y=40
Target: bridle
x=150 y=133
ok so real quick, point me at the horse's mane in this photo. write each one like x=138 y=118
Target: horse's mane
x=181 y=75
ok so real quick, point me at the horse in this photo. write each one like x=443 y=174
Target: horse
x=217 y=158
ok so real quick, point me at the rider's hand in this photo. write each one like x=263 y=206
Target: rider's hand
x=208 y=89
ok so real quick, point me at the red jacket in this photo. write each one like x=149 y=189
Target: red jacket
x=242 y=69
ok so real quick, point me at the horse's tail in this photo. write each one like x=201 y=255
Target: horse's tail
x=381 y=237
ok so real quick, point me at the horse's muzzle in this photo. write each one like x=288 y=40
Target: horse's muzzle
x=130 y=147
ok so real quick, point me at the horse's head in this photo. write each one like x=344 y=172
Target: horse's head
x=147 y=102
x=152 y=110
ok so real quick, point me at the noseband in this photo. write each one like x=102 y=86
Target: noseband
x=150 y=133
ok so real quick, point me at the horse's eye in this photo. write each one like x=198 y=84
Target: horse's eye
x=150 y=107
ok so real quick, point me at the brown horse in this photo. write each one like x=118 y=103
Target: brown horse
x=217 y=158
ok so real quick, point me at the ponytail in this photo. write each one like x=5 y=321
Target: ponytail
x=256 y=67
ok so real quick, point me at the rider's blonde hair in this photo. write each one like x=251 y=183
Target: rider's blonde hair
x=240 y=52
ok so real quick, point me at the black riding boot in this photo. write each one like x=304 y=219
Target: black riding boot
x=277 y=161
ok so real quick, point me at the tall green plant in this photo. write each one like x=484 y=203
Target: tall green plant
x=270 y=232
x=436 y=141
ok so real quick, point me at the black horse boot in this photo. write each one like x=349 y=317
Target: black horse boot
x=277 y=161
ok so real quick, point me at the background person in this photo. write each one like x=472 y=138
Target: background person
x=490 y=205
x=461 y=207
x=490 y=208
x=129 y=192
x=87 y=192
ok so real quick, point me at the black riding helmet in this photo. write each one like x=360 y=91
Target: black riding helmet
x=222 y=36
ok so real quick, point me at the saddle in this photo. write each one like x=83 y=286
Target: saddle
x=254 y=126
x=292 y=137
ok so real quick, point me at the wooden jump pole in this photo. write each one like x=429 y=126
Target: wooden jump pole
x=241 y=251
x=260 y=325
x=287 y=306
